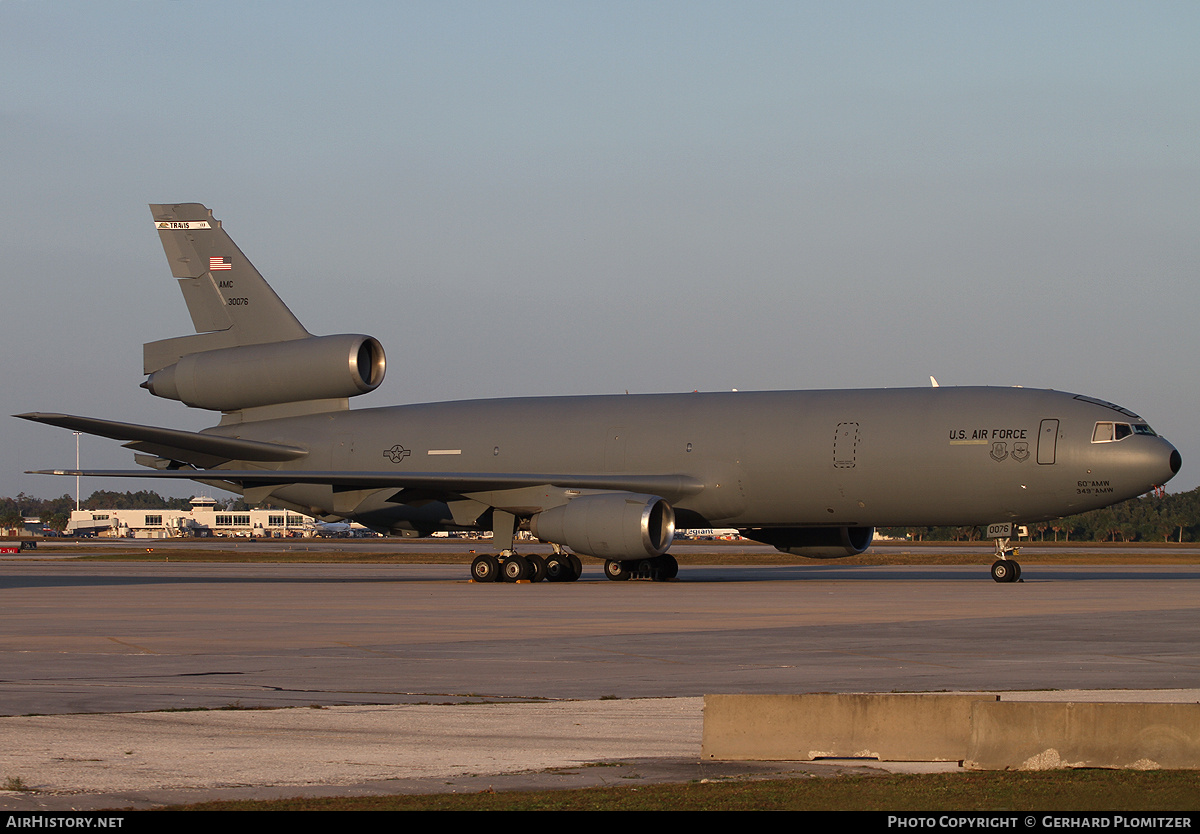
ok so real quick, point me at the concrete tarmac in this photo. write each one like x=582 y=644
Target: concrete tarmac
x=594 y=671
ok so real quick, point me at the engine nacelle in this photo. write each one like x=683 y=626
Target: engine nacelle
x=815 y=542
x=316 y=368
x=611 y=525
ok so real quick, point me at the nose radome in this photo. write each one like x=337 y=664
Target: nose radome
x=1167 y=462
x=1157 y=462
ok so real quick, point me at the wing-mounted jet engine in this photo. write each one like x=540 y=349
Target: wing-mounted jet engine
x=630 y=532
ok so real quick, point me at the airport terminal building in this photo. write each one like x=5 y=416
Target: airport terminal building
x=203 y=519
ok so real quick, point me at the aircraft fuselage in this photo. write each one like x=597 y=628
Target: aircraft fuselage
x=888 y=457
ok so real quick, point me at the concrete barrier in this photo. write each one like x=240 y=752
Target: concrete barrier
x=1010 y=735
x=981 y=731
x=898 y=728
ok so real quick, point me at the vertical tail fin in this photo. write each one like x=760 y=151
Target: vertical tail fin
x=250 y=358
x=230 y=303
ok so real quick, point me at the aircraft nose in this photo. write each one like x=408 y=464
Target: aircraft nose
x=1150 y=463
x=1167 y=463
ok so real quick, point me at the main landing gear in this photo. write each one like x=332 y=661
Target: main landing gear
x=561 y=566
x=511 y=567
x=1005 y=569
x=659 y=569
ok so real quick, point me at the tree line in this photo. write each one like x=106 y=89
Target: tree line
x=1150 y=518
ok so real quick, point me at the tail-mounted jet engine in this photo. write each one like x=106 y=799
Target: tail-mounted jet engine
x=315 y=368
x=610 y=525
x=815 y=542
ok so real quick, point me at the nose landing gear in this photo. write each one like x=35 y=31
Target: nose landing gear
x=1005 y=568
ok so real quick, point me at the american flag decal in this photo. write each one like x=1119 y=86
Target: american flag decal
x=219 y=263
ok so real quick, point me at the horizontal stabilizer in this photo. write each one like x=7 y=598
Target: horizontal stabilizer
x=186 y=446
x=670 y=487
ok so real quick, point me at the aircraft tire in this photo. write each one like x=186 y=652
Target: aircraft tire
x=515 y=568
x=667 y=568
x=558 y=568
x=537 y=567
x=485 y=568
x=1005 y=570
x=576 y=567
x=616 y=571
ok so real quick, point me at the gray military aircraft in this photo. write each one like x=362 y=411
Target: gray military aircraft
x=808 y=472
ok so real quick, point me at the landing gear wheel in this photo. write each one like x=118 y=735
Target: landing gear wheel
x=515 y=568
x=1005 y=570
x=485 y=568
x=668 y=568
x=537 y=568
x=558 y=568
x=576 y=567
x=616 y=571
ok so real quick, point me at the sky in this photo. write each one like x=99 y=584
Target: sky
x=541 y=198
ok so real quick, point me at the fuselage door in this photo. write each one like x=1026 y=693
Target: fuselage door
x=845 y=446
x=1047 y=441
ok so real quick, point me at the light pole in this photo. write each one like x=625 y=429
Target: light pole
x=77 y=433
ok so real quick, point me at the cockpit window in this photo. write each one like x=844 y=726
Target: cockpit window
x=1106 y=432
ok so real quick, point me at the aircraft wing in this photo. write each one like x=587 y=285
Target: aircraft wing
x=670 y=487
x=186 y=446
